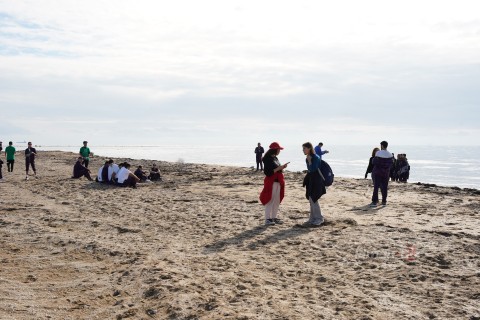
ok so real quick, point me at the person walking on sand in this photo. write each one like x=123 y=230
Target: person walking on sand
x=258 y=155
x=319 y=152
x=85 y=154
x=10 y=155
x=381 y=173
x=370 y=162
x=315 y=186
x=273 y=184
x=30 y=154
x=79 y=170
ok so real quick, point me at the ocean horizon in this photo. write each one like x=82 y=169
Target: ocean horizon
x=444 y=166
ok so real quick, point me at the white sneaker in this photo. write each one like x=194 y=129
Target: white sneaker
x=26 y=178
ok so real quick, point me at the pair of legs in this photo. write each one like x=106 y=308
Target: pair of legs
x=130 y=182
x=29 y=163
x=85 y=174
x=85 y=162
x=271 y=208
x=259 y=164
x=382 y=184
x=10 y=165
x=316 y=217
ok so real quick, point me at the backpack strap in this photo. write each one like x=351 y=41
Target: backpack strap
x=321 y=175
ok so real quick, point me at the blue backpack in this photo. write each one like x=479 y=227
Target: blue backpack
x=326 y=173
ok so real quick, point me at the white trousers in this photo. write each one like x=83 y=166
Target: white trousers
x=271 y=208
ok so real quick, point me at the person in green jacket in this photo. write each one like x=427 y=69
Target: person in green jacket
x=10 y=154
x=85 y=154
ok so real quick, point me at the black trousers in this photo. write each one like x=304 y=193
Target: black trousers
x=380 y=182
x=259 y=163
x=10 y=165
x=29 y=163
x=85 y=162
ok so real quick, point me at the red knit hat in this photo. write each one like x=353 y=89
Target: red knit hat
x=275 y=145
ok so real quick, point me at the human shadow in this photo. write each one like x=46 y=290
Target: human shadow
x=366 y=209
x=239 y=239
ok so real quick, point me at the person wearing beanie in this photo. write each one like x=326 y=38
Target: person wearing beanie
x=273 y=184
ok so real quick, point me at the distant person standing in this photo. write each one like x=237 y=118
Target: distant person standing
x=30 y=154
x=319 y=151
x=273 y=184
x=381 y=173
x=10 y=154
x=402 y=168
x=1 y=176
x=1 y=146
x=370 y=163
x=393 y=169
x=85 y=154
x=259 y=152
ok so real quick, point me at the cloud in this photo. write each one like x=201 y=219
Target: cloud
x=219 y=68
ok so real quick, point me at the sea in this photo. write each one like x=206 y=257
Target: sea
x=444 y=166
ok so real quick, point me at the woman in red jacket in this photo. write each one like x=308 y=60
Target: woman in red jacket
x=273 y=184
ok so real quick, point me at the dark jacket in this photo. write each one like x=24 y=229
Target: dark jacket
x=370 y=166
x=315 y=186
x=381 y=167
x=259 y=151
x=269 y=164
x=79 y=170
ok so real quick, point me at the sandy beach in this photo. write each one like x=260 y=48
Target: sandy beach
x=194 y=247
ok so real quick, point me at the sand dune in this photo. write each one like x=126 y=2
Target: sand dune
x=194 y=247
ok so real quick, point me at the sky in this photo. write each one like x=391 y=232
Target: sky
x=237 y=72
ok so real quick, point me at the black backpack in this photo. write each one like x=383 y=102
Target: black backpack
x=326 y=173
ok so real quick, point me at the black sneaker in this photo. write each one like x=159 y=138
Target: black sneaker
x=277 y=221
x=384 y=204
x=269 y=222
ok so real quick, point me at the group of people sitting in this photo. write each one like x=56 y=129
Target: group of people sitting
x=120 y=175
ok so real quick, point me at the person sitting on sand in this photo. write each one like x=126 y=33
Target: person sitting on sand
x=273 y=184
x=370 y=163
x=125 y=177
x=154 y=174
x=79 y=170
x=103 y=172
x=142 y=175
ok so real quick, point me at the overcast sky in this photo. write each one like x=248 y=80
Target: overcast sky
x=234 y=72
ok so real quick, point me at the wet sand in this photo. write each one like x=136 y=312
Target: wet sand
x=194 y=247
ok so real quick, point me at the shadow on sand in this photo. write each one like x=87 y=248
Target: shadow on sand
x=366 y=209
x=239 y=239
